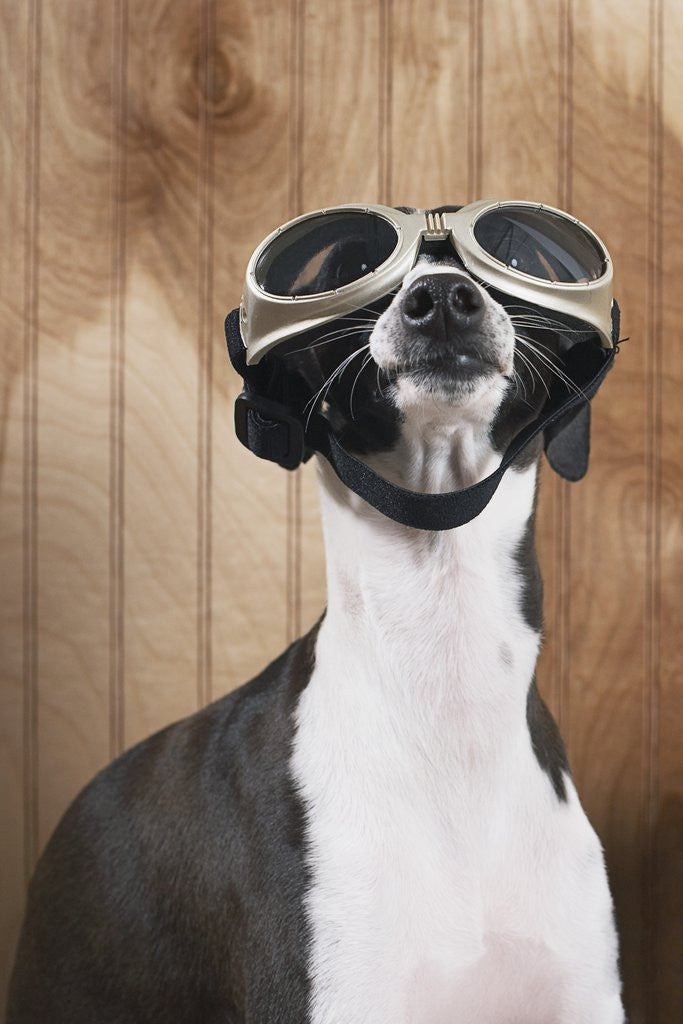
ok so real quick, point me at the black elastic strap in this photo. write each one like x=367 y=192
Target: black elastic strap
x=453 y=508
x=587 y=365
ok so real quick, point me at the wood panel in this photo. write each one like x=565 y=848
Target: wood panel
x=159 y=385
x=19 y=41
x=665 y=810
x=250 y=106
x=73 y=339
x=432 y=93
x=608 y=674
x=148 y=561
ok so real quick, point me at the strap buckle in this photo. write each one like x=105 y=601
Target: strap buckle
x=270 y=430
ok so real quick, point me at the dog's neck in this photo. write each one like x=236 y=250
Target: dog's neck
x=435 y=620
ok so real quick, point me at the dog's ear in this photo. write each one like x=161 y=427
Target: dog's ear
x=567 y=443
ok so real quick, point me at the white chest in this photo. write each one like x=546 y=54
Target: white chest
x=448 y=883
x=433 y=901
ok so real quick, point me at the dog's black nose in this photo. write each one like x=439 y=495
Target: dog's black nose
x=441 y=305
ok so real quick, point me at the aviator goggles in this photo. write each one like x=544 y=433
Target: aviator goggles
x=327 y=264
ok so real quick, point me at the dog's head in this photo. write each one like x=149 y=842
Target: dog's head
x=442 y=354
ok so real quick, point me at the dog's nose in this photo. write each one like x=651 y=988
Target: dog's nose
x=441 y=305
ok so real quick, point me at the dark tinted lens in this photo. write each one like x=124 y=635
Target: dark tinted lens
x=324 y=253
x=541 y=244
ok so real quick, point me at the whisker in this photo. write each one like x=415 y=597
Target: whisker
x=521 y=381
x=557 y=328
x=533 y=370
x=359 y=319
x=540 y=344
x=366 y=360
x=541 y=319
x=512 y=379
x=326 y=339
x=330 y=380
x=379 y=386
x=518 y=380
x=560 y=374
x=370 y=308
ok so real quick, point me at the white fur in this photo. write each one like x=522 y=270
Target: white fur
x=448 y=883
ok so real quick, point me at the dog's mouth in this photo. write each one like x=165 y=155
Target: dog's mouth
x=454 y=368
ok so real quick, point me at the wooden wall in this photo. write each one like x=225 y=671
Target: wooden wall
x=148 y=563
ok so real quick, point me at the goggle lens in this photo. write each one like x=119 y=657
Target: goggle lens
x=541 y=244
x=325 y=252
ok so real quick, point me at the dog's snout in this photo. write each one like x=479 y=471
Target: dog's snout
x=438 y=305
x=445 y=325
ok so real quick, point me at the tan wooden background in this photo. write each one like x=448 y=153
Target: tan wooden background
x=148 y=563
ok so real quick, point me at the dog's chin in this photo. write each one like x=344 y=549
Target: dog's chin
x=462 y=383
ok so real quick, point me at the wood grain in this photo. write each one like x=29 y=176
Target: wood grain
x=251 y=105
x=72 y=471
x=17 y=806
x=149 y=563
x=431 y=93
x=608 y=724
x=162 y=379
x=665 y=818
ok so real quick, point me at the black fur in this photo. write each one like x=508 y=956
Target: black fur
x=530 y=574
x=172 y=888
x=546 y=741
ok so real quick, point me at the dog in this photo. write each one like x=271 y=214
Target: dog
x=381 y=827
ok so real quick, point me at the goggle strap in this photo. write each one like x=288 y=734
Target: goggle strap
x=453 y=508
x=273 y=431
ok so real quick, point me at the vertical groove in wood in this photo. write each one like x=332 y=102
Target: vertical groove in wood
x=566 y=76
x=117 y=383
x=296 y=106
x=474 y=105
x=385 y=188
x=651 y=683
x=207 y=35
x=296 y=72
x=562 y=495
x=30 y=435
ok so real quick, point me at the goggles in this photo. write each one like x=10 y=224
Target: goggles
x=324 y=265
x=327 y=264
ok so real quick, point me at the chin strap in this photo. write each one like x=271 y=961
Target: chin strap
x=274 y=430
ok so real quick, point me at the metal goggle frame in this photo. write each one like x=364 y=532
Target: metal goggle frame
x=266 y=319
